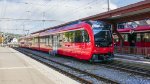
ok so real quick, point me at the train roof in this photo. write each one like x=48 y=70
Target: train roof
x=62 y=29
x=143 y=28
x=61 y=25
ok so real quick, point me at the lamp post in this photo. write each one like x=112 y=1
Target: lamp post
x=23 y=26
x=108 y=3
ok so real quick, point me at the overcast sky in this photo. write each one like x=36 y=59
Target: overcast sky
x=16 y=15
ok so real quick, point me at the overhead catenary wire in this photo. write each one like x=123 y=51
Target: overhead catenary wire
x=13 y=19
x=29 y=8
x=33 y=20
x=30 y=5
x=29 y=16
x=79 y=9
x=4 y=9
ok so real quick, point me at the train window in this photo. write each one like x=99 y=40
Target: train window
x=78 y=36
x=42 y=40
x=71 y=36
x=60 y=39
x=120 y=26
x=146 y=37
x=32 y=40
x=65 y=37
x=125 y=36
x=36 y=40
x=148 y=21
x=85 y=36
x=50 y=40
x=47 y=40
x=116 y=39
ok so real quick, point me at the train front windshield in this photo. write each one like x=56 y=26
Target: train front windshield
x=102 y=34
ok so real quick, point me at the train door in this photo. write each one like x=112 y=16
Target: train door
x=78 y=43
x=55 y=44
x=38 y=43
x=86 y=45
x=139 y=41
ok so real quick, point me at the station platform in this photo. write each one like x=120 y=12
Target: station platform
x=134 y=60
x=16 y=68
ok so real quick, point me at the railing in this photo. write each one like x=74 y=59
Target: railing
x=127 y=50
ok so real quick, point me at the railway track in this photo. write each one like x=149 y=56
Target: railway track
x=127 y=68
x=75 y=73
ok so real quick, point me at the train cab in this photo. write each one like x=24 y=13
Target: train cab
x=103 y=42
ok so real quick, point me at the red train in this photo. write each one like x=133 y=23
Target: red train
x=136 y=34
x=89 y=40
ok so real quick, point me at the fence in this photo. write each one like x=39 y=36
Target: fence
x=143 y=51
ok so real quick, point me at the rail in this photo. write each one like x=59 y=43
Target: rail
x=128 y=68
x=79 y=78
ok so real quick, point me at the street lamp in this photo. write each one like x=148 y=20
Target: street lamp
x=108 y=3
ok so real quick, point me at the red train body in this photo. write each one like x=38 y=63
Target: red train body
x=135 y=37
x=84 y=40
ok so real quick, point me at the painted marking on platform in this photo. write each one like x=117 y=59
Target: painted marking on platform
x=15 y=68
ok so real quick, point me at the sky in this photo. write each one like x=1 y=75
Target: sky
x=27 y=16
